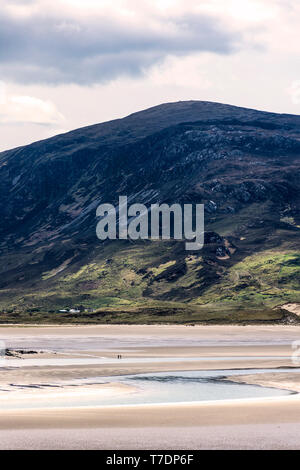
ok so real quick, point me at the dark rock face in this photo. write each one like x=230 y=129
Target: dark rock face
x=226 y=157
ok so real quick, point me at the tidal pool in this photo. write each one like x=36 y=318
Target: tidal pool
x=150 y=388
x=189 y=386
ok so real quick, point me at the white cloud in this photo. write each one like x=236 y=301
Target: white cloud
x=174 y=72
x=294 y=91
x=27 y=109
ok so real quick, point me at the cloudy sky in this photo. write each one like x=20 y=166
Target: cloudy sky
x=69 y=63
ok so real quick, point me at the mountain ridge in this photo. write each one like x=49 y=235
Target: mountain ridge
x=92 y=127
x=241 y=163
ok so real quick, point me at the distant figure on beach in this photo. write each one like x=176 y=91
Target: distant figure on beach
x=119 y=356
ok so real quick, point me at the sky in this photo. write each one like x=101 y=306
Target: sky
x=65 y=64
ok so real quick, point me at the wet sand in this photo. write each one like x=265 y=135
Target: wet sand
x=282 y=380
x=57 y=374
x=229 y=412
x=250 y=436
x=222 y=424
x=227 y=425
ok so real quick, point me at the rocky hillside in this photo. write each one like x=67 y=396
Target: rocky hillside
x=242 y=164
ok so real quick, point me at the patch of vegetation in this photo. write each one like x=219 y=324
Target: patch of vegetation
x=264 y=279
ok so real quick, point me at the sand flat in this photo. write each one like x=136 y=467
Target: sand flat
x=251 y=436
x=205 y=332
x=219 y=347
x=282 y=380
x=222 y=424
x=51 y=395
x=243 y=424
x=227 y=412
x=48 y=375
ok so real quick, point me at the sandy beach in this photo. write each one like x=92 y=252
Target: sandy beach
x=55 y=368
x=228 y=425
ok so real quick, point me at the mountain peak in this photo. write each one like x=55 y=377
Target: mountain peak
x=242 y=164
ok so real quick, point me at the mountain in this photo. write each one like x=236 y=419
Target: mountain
x=242 y=164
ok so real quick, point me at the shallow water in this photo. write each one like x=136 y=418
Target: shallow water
x=190 y=386
x=151 y=388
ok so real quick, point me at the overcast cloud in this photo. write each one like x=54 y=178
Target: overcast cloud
x=62 y=48
x=69 y=63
